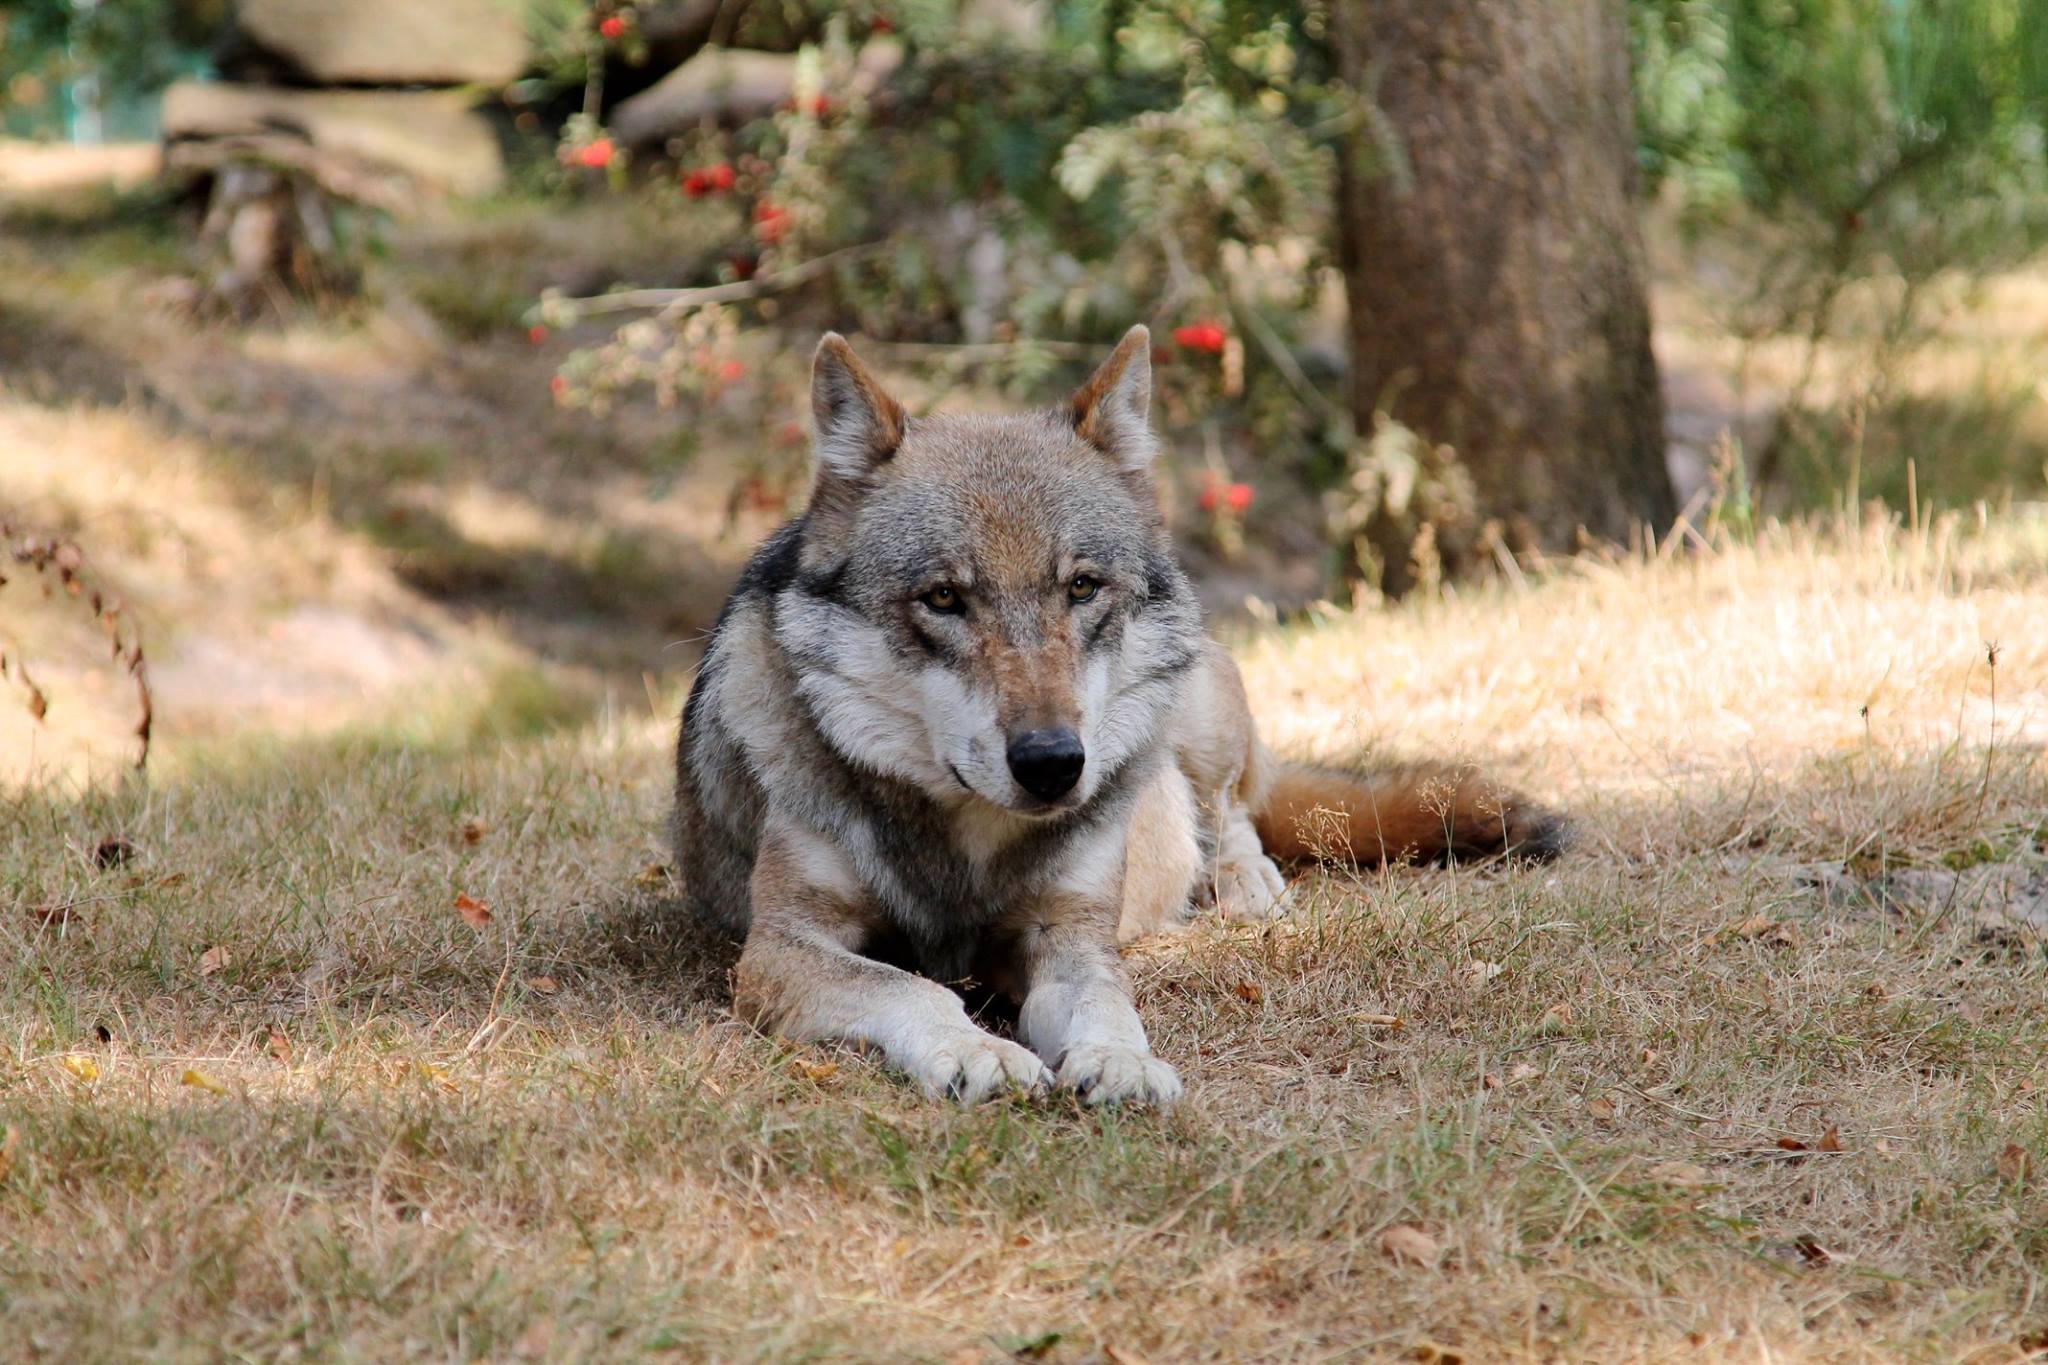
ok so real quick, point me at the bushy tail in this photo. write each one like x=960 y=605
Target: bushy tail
x=1415 y=814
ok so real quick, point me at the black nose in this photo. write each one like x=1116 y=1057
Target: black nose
x=1047 y=763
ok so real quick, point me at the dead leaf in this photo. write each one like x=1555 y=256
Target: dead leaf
x=473 y=911
x=1681 y=1173
x=8 y=1146
x=215 y=959
x=1429 y=1353
x=1249 y=991
x=1601 y=1109
x=1648 y=1056
x=1830 y=1141
x=280 y=1046
x=654 y=874
x=439 y=1076
x=1406 y=1242
x=112 y=852
x=2015 y=1164
x=199 y=1080
x=543 y=985
x=1555 y=1020
x=1379 y=1020
x=1812 y=1252
x=1788 y=1143
x=473 y=830
x=1521 y=1072
x=1489 y=1082
x=1478 y=972
x=817 y=1071
x=81 y=1066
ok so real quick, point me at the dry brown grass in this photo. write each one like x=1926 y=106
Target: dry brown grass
x=544 y=1138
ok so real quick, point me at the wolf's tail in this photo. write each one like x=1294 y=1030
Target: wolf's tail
x=1305 y=813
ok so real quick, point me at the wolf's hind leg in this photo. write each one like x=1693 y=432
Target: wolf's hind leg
x=1247 y=884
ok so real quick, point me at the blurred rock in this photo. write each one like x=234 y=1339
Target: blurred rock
x=379 y=42
x=732 y=85
x=378 y=147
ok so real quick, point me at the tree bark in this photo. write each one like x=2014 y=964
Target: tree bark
x=1497 y=284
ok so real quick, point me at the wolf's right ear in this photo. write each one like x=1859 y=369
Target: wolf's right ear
x=855 y=425
x=1113 y=410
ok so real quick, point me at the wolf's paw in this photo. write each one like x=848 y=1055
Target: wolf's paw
x=970 y=1066
x=1107 y=1074
x=1250 y=887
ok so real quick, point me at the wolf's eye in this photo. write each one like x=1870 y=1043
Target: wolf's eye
x=944 y=599
x=1083 y=587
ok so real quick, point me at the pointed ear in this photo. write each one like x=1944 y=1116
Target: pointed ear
x=855 y=425
x=1113 y=410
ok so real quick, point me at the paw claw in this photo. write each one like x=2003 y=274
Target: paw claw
x=1105 y=1074
x=974 y=1066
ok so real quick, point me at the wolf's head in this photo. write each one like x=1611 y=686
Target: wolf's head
x=989 y=606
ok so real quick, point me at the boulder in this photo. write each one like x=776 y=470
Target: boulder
x=382 y=42
x=379 y=147
x=732 y=85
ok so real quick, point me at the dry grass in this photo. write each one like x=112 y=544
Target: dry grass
x=543 y=1138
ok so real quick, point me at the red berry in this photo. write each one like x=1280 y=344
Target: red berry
x=818 y=107
x=613 y=28
x=731 y=370
x=1238 y=497
x=536 y=334
x=1200 y=336
x=694 y=185
x=770 y=221
x=597 y=155
x=880 y=24
x=742 y=267
x=718 y=177
x=558 y=386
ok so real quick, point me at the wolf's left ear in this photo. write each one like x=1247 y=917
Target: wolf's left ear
x=1113 y=410
x=855 y=425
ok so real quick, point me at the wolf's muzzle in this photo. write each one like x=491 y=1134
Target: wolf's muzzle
x=1047 y=763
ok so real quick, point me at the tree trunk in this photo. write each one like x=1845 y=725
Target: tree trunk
x=1497 y=282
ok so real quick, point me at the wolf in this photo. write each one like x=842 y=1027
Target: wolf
x=960 y=721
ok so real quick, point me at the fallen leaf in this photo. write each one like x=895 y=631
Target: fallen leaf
x=1249 y=991
x=1830 y=1141
x=8 y=1145
x=1555 y=1019
x=1522 y=1071
x=1489 y=1082
x=1812 y=1252
x=475 y=912
x=2015 y=1164
x=112 y=852
x=1601 y=1109
x=1478 y=972
x=280 y=1046
x=439 y=1076
x=654 y=874
x=817 y=1071
x=199 y=1080
x=1756 y=926
x=1379 y=1020
x=473 y=830
x=1406 y=1242
x=1648 y=1056
x=1429 y=1353
x=215 y=959
x=1681 y=1173
x=81 y=1066
x=543 y=985
x=1788 y=1143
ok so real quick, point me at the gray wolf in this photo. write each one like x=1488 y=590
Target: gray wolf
x=960 y=721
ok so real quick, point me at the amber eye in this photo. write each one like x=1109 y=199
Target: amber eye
x=944 y=599
x=1083 y=587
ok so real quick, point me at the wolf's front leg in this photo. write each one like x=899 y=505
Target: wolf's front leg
x=800 y=977
x=1078 y=1013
